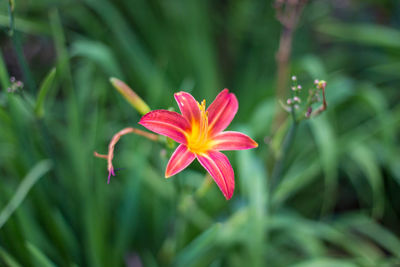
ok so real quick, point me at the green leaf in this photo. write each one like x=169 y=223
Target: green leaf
x=368 y=165
x=99 y=53
x=27 y=183
x=8 y=259
x=314 y=66
x=39 y=258
x=25 y=25
x=198 y=247
x=299 y=176
x=368 y=227
x=344 y=239
x=63 y=62
x=327 y=144
x=365 y=34
x=43 y=90
x=136 y=56
x=325 y=262
x=262 y=117
x=4 y=78
x=253 y=180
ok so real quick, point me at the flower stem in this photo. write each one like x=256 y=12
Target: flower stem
x=288 y=14
x=115 y=140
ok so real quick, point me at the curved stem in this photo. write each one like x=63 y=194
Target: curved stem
x=115 y=140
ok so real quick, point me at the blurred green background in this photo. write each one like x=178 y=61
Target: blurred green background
x=337 y=203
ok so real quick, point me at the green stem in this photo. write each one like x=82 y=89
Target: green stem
x=11 y=12
x=287 y=143
x=4 y=78
x=22 y=62
x=18 y=49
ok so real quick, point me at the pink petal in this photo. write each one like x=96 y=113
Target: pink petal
x=181 y=158
x=230 y=140
x=221 y=112
x=188 y=106
x=167 y=123
x=220 y=169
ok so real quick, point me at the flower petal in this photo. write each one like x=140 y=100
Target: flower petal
x=167 y=123
x=188 y=106
x=220 y=169
x=221 y=112
x=179 y=160
x=230 y=140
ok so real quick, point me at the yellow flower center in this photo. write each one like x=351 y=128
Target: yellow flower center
x=198 y=141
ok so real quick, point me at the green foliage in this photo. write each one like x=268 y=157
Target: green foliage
x=336 y=203
x=43 y=91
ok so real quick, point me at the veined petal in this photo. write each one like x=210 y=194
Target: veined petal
x=179 y=160
x=220 y=169
x=230 y=140
x=221 y=112
x=167 y=123
x=188 y=106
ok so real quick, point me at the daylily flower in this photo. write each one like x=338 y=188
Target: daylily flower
x=200 y=134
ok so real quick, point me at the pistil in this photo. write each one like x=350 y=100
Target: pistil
x=199 y=137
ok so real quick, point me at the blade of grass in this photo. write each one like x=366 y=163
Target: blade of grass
x=296 y=178
x=341 y=238
x=136 y=55
x=39 y=258
x=368 y=165
x=43 y=90
x=63 y=65
x=25 y=25
x=4 y=78
x=198 y=247
x=27 y=183
x=374 y=231
x=326 y=143
x=99 y=53
x=8 y=259
x=331 y=262
x=365 y=34
x=253 y=180
x=129 y=210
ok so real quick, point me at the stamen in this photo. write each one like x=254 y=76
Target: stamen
x=110 y=172
x=198 y=138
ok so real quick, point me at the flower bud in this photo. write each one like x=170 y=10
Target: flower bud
x=130 y=96
x=321 y=84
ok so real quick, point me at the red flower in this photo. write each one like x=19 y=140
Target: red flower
x=200 y=134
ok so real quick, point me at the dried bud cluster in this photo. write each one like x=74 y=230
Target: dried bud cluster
x=294 y=102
